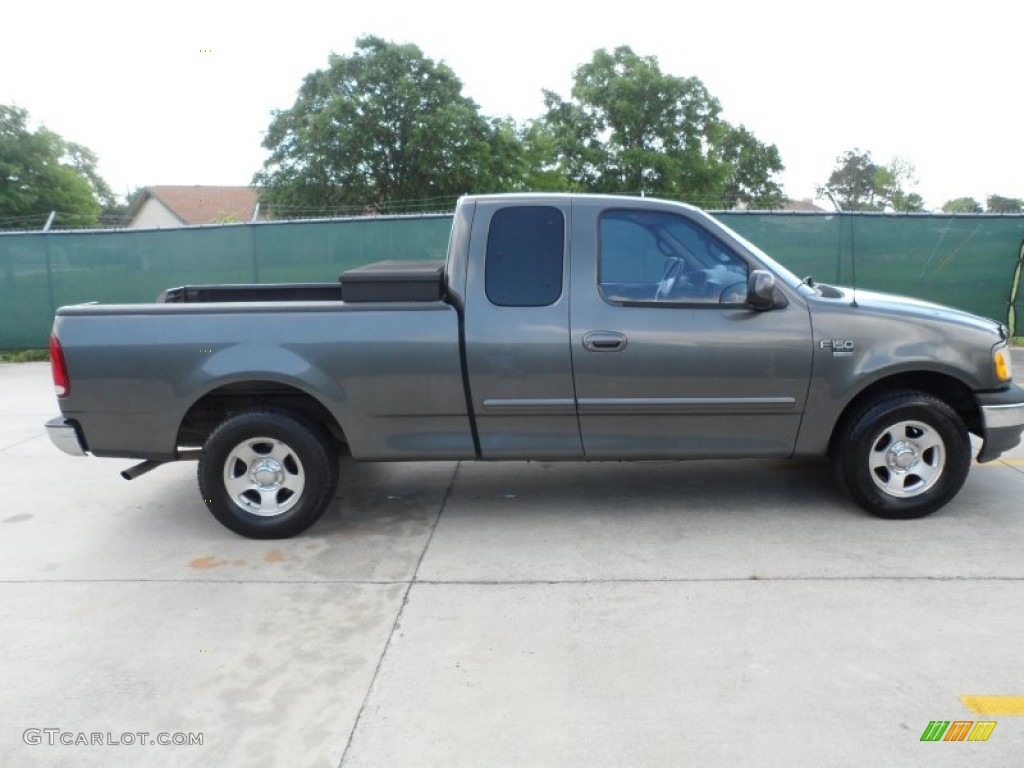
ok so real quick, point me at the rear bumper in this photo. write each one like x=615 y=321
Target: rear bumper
x=1002 y=415
x=64 y=434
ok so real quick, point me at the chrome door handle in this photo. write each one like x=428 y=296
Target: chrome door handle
x=604 y=341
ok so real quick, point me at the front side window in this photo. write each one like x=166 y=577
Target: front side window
x=525 y=250
x=649 y=256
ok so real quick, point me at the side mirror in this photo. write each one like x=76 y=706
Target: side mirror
x=761 y=290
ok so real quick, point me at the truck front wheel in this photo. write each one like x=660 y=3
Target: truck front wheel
x=268 y=474
x=902 y=455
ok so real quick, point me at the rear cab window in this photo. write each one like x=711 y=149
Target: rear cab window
x=525 y=253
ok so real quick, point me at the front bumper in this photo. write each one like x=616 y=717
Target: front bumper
x=65 y=434
x=1002 y=416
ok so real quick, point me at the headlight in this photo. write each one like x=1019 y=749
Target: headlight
x=1002 y=363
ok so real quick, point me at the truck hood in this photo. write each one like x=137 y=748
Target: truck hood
x=892 y=304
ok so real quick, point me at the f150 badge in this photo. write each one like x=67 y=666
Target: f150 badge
x=839 y=347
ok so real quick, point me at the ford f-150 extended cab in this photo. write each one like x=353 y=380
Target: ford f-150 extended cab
x=559 y=327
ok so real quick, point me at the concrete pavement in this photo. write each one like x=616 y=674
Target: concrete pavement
x=523 y=614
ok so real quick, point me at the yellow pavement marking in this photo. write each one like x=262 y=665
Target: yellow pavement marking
x=997 y=462
x=994 y=705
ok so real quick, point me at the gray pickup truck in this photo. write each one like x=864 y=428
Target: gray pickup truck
x=559 y=327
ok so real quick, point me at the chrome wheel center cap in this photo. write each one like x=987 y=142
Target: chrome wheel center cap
x=901 y=456
x=266 y=473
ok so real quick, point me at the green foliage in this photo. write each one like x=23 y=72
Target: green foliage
x=25 y=356
x=115 y=210
x=538 y=170
x=998 y=204
x=384 y=124
x=900 y=173
x=859 y=184
x=387 y=126
x=851 y=185
x=628 y=128
x=753 y=166
x=961 y=205
x=906 y=202
x=42 y=172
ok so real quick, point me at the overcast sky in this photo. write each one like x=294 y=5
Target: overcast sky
x=181 y=92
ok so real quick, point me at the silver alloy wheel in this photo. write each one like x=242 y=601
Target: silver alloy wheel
x=263 y=476
x=907 y=458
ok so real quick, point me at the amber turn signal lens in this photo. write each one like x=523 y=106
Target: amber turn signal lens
x=1001 y=359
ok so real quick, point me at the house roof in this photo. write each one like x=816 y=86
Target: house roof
x=200 y=204
x=805 y=205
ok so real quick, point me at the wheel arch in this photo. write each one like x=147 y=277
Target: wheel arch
x=952 y=391
x=229 y=399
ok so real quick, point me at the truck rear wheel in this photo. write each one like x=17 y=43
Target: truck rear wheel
x=268 y=474
x=902 y=455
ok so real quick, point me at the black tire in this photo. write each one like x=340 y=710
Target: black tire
x=902 y=455
x=268 y=474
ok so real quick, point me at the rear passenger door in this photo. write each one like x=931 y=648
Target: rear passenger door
x=517 y=338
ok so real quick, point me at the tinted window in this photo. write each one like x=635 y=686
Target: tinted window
x=649 y=256
x=525 y=247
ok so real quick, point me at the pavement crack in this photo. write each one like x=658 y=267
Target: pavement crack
x=1014 y=467
x=350 y=582
x=20 y=442
x=398 y=615
x=703 y=580
x=519 y=582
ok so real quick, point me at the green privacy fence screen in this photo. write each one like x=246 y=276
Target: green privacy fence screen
x=970 y=262
x=42 y=271
x=962 y=261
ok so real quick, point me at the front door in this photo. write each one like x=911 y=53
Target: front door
x=669 y=361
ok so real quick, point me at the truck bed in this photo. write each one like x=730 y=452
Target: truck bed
x=390 y=372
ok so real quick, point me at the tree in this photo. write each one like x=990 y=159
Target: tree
x=41 y=172
x=539 y=171
x=753 y=165
x=630 y=128
x=859 y=184
x=851 y=185
x=961 y=205
x=381 y=127
x=893 y=179
x=114 y=212
x=998 y=204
